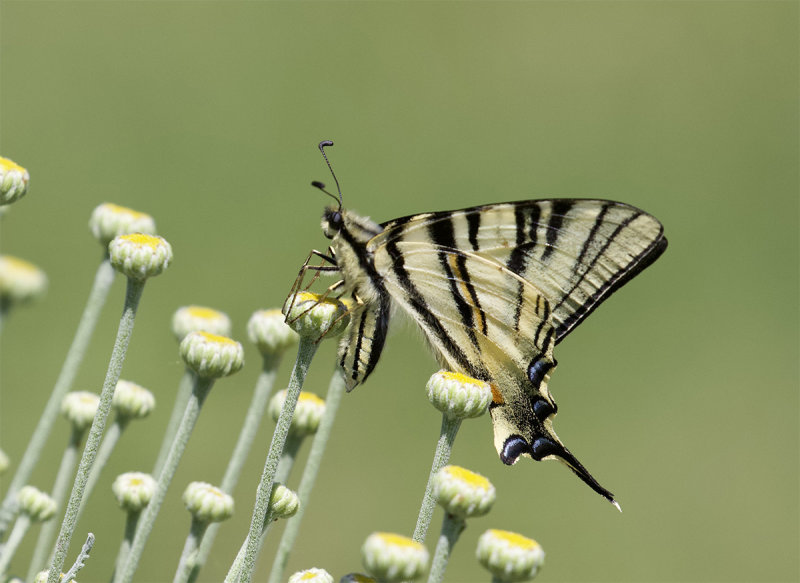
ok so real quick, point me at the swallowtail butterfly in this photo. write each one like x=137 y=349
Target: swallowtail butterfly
x=494 y=288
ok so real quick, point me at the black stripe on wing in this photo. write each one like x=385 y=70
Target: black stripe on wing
x=631 y=270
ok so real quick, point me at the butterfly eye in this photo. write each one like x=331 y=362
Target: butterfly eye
x=336 y=220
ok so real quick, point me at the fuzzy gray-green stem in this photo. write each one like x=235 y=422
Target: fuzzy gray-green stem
x=190 y=550
x=305 y=352
x=333 y=398
x=131 y=522
x=103 y=455
x=45 y=540
x=16 y=536
x=443 y=449
x=452 y=527
x=264 y=384
x=133 y=294
x=184 y=392
x=200 y=391
x=97 y=298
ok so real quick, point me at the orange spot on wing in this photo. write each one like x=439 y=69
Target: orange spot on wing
x=497 y=398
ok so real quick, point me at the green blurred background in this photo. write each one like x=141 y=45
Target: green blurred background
x=680 y=394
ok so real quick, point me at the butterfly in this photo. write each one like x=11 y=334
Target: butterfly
x=494 y=288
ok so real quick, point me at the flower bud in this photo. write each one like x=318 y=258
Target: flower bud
x=139 y=256
x=110 y=220
x=392 y=557
x=20 y=281
x=199 y=319
x=80 y=407
x=307 y=413
x=211 y=356
x=509 y=556
x=13 y=181
x=463 y=493
x=457 y=395
x=312 y=575
x=131 y=400
x=312 y=317
x=37 y=505
x=134 y=490
x=207 y=503
x=267 y=329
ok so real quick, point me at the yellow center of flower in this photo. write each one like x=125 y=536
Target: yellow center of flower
x=135 y=481
x=468 y=477
x=458 y=377
x=272 y=313
x=514 y=539
x=7 y=165
x=123 y=210
x=20 y=264
x=143 y=240
x=310 y=398
x=209 y=337
x=399 y=540
x=316 y=298
x=307 y=576
x=203 y=313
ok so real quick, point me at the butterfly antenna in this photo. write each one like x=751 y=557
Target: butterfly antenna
x=322 y=146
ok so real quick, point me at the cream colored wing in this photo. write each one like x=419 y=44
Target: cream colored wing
x=489 y=323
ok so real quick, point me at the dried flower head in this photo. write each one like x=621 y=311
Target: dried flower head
x=110 y=220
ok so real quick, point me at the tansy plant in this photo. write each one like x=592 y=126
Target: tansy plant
x=131 y=249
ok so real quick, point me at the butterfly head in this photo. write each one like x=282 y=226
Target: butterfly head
x=332 y=222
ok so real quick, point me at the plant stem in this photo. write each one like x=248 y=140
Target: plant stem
x=452 y=527
x=16 y=536
x=131 y=522
x=264 y=384
x=305 y=352
x=45 y=540
x=103 y=455
x=332 y=400
x=202 y=387
x=97 y=298
x=444 y=447
x=133 y=294
x=178 y=407
x=190 y=550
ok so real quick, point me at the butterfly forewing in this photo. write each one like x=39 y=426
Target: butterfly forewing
x=577 y=252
